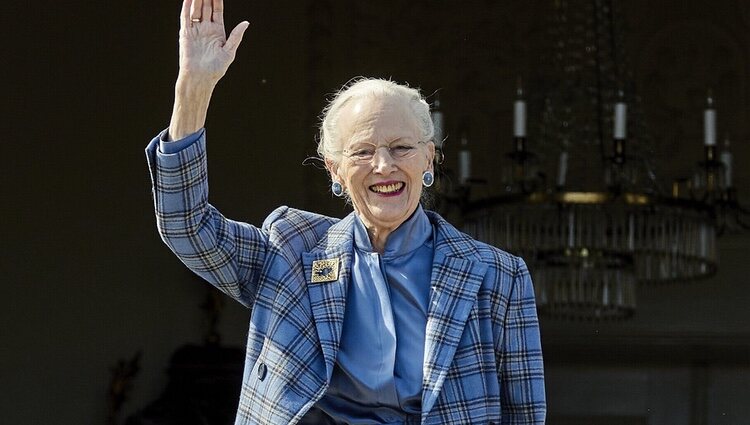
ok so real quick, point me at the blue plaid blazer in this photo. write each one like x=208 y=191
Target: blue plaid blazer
x=482 y=361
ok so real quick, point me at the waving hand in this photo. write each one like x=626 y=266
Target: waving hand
x=205 y=55
x=205 y=50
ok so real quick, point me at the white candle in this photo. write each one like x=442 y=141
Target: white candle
x=437 y=122
x=519 y=118
x=464 y=162
x=562 y=169
x=709 y=123
x=726 y=159
x=620 y=129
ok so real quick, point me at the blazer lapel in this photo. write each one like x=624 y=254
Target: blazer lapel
x=328 y=272
x=456 y=278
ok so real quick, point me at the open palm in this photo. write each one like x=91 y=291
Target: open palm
x=205 y=50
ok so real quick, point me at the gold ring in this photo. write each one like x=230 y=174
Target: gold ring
x=195 y=20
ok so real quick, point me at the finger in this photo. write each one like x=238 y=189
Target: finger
x=185 y=13
x=195 y=10
x=235 y=38
x=218 y=12
x=206 y=12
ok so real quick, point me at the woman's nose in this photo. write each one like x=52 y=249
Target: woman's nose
x=382 y=161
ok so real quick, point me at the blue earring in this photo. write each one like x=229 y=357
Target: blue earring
x=337 y=189
x=428 y=178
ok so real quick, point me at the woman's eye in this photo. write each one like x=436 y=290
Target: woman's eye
x=362 y=153
x=402 y=150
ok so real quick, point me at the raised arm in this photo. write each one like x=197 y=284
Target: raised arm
x=227 y=253
x=205 y=56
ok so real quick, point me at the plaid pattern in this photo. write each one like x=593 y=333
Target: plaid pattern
x=483 y=360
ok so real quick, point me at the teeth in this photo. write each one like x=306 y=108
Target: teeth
x=388 y=188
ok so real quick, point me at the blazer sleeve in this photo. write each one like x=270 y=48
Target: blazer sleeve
x=521 y=376
x=227 y=253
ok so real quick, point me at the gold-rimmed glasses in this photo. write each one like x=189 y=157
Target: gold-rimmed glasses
x=362 y=153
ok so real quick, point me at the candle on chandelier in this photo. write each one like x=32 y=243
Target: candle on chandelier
x=726 y=159
x=464 y=161
x=709 y=122
x=621 y=110
x=519 y=113
x=562 y=168
x=437 y=122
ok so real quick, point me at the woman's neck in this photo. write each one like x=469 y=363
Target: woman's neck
x=378 y=237
x=378 y=233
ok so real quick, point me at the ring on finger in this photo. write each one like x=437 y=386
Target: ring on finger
x=195 y=20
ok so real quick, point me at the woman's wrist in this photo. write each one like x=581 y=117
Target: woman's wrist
x=190 y=107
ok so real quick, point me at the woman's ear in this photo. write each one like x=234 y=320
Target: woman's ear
x=333 y=169
x=431 y=155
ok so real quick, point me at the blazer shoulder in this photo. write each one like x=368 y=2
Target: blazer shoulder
x=465 y=245
x=499 y=258
x=506 y=273
x=298 y=228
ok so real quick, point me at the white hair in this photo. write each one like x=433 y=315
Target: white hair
x=330 y=144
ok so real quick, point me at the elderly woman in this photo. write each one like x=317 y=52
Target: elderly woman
x=387 y=316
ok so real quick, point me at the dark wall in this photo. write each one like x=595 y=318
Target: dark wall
x=87 y=84
x=86 y=279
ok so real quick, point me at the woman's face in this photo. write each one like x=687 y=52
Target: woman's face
x=383 y=160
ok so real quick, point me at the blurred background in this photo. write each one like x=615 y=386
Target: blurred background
x=103 y=325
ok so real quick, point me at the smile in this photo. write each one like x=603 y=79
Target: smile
x=388 y=188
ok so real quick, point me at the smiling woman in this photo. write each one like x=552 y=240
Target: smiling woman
x=384 y=185
x=389 y=315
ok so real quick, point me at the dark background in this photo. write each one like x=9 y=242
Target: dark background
x=86 y=280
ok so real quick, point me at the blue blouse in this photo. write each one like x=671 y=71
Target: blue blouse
x=377 y=378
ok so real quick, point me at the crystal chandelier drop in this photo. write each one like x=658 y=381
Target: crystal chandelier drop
x=581 y=201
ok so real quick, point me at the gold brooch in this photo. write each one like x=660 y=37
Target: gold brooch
x=325 y=270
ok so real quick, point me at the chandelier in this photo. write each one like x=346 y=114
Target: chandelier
x=581 y=201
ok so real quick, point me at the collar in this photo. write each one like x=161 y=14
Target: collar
x=410 y=235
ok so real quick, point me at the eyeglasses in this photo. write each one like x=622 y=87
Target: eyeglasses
x=363 y=153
